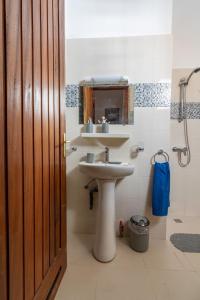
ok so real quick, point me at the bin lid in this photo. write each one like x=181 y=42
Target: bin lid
x=140 y=221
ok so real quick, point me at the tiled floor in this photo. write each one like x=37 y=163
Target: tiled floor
x=189 y=225
x=162 y=273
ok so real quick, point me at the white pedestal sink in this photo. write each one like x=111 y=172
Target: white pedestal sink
x=106 y=175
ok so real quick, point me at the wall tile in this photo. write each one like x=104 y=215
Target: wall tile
x=72 y=95
x=133 y=194
x=185 y=188
x=192 y=110
x=141 y=58
x=145 y=94
x=152 y=94
x=193 y=90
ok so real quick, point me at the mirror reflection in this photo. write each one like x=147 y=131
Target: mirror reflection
x=111 y=101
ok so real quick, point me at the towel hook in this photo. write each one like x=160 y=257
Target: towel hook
x=160 y=152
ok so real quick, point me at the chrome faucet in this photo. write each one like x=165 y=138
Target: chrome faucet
x=180 y=150
x=107 y=152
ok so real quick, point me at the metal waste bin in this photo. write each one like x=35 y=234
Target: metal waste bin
x=139 y=233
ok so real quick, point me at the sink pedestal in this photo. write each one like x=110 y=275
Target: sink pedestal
x=106 y=175
x=105 y=239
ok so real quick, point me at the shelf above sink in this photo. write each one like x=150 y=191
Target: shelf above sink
x=106 y=135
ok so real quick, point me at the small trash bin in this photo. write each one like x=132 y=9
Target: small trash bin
x=139 y=233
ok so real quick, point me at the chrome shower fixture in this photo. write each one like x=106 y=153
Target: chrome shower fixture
x=182 y=118
x=183 y=84
x=185 y=81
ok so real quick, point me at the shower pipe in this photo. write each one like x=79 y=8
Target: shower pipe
x=183 y=118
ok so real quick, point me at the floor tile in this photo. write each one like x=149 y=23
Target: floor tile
x=162 y=273
x=160 y=256
x=124 y=283
x=175 y=285
x=191 y=261
x=78 y=284
x=194 y=259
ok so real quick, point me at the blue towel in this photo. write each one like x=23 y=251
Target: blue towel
x=161 y=189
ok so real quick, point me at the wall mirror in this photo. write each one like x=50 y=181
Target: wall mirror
x=113 y=101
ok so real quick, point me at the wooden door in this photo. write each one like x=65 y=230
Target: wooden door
x=3 y=212
x=33 y=197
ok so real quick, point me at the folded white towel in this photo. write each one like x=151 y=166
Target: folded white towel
x=107 y=79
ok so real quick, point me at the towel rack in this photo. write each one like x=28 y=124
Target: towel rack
x=160 y=152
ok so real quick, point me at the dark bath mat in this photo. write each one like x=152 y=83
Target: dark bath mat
x=186 y=242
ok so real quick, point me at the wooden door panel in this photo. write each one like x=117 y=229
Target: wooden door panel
x=32 y=173
x=59 y=278
x=45 y=134
x=61 y=19
x=57 y=126
x=3 y=229
x=28 y=155
x=14 y=147
x=37 y=103
x=51 y=131
x=51 y=279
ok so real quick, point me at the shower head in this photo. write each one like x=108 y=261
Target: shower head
x=186 y=81
x=183 y=83
x=196 y=70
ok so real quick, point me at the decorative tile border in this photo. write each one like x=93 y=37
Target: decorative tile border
x=145 y=95
x=152 y=94
x=72 y=95
x=192 y=110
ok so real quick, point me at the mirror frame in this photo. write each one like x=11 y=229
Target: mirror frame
x=88 y=101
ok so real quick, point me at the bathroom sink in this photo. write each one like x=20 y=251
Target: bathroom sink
x=106 y=175
x=105 y=170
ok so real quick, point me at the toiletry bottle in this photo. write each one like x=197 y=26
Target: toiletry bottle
x=89 y=126
x=104 y=125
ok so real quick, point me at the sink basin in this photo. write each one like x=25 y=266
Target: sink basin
x=106 y=171
x=106 y=176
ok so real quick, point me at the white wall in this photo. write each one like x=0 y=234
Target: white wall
x=141 y=58
x=114 y=18
x=186 y=33
x=185 y=193
x=131 y=38
x=133 y=195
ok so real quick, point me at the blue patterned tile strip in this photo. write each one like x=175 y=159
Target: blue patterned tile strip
x=72 y=95
x=192 y=110
x=146 y=95
x=152 y=94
